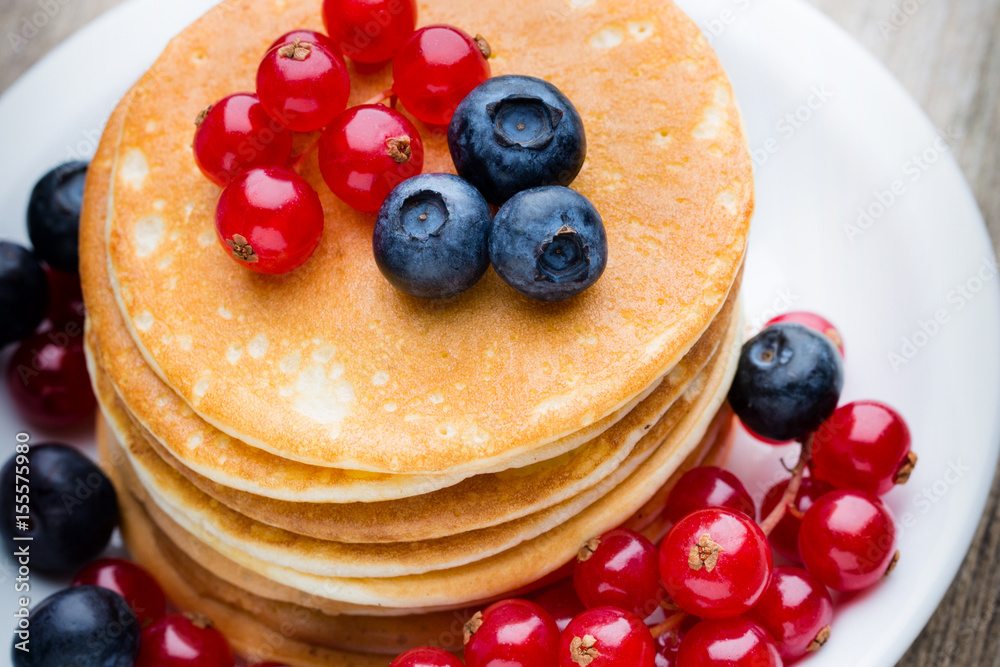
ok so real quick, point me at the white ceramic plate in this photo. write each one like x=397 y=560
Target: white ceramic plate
x=862 y=215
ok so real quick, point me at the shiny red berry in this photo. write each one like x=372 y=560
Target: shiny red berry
x=65 y=300
x=514 y=633
x=813 y=321
x=864 y=445
x=708 y=486
x=310 y=36
x=426 y=657
x=370 y=31
x=303 y=85
x=796 y=611
x=785 y=535
x=606 y=637
x=269 y=220
x=619 y=569
x=560 y=600
x=769 y=441
x=728 y=642
x=130 y=581
x=366 y=152
x=236 y=134
x=847 y=540
x=48 y=379
x=183 y=640
x=715 y=563
x=436 y=69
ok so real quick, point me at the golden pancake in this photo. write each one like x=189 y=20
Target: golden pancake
x=529 y=561
x=377 y=634
x=329 y=364
x=205 y=449
x=478 y=502
x=206 y=452
x=264 y=629
x=208 y=520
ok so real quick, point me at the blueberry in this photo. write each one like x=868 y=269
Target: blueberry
x=24 y=292
x=72 y=507
x=430 y=236
x=513 y=133
x=83 y=626
x=54 y=216
x=549 y=243
x=788 y=382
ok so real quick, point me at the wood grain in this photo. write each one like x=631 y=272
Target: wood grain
x=947 y=53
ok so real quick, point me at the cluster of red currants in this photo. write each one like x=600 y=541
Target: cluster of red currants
x=711 y=594
x=270 y=218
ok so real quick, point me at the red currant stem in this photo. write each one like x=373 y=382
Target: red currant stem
x=792 y=492
x=671 y=623
x=299 y=160
x=386 y=95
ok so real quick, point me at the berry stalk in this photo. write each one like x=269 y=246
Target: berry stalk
x=299 y=161
x=778 y=513
x=669 y=625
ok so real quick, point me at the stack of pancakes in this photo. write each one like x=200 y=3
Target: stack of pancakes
x=334 y=471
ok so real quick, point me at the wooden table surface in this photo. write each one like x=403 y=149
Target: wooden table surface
x=947 y=53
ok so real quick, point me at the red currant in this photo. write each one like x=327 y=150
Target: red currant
x=366 y=152
x=65 y=300
x=130 y=581
x=436 y=69
x=426 y=657
x=847 y=540
x=728 y=642
x=785 y=535
x=813 y=321
x=236 y=134
x=303 y=85
x=708 y=486
x=269 y=219
x=796 y=611
x=769 y=441
x=864 y=445
x=370 y=31
x=560 y=600
x=619 y=569
x=516 y=633
x=606 y=637
x=715 y=563
x=183 y=640
x=48 y=378
x=310 y=36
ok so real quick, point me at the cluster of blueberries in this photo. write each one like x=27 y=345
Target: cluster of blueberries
x=517 y=143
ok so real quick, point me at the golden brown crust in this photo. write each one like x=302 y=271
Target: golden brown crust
x=475 y=503
x=145 y=472
x=262 y=628
x=529 y=561
x=486 y=377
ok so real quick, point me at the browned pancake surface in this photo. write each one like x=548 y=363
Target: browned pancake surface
x=329 y=364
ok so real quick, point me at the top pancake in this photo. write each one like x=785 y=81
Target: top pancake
x=329 y=364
